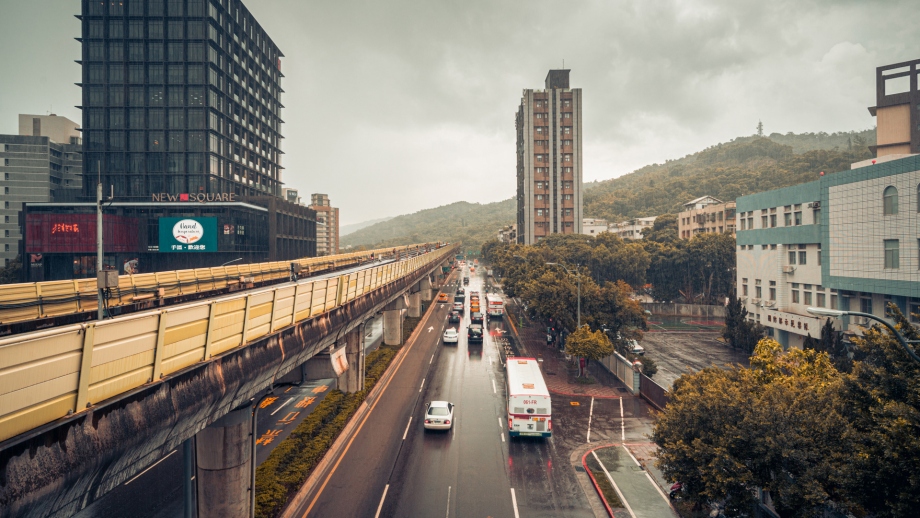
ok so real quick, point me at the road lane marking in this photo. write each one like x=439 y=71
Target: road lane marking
x=448 y=502
x=590 y=415
x=382 y=498
x=422 y=385
x=288 y=419
x=151 y=467
x=614 y=484
x=514 y=504
x=501 y=424
x=493 y=387
x=268 y=401
x=431 y=360
x=654 y=484
x=502 y=435
x=282 y=406
x=622 y=423
x=357 y=430
x=407 y=428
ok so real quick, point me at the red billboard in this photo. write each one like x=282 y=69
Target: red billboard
x=76 y=233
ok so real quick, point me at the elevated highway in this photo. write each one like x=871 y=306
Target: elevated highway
x=84 y=407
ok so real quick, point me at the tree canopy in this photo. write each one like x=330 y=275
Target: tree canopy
x=815 y=437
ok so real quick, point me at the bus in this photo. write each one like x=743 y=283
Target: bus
x=529 y=408
x=495 y=306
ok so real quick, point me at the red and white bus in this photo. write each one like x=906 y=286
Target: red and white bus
x=529 y=408
x=495 y=306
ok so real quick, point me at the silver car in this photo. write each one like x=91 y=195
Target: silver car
x=439 y=415
x=451 y=336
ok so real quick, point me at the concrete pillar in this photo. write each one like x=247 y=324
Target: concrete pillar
x=426 y=289
x=415 y=304
x=224 y=455
x=352 y=380
x=392 y=327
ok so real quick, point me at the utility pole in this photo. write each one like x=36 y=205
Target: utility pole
x=99 y=289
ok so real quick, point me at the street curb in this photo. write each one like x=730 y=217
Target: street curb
x=584 y=463
x=336 y=449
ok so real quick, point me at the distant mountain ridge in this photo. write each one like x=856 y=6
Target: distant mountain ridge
x=727 y=170
x=344 y=230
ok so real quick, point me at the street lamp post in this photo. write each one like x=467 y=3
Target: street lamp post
x=233 y=261
x=577 y=287
x=905 y=343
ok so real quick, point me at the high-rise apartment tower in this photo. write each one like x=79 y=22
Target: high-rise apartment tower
x=327 y=224
x=549 y=160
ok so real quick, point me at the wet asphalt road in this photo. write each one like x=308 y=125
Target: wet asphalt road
x=396 y=468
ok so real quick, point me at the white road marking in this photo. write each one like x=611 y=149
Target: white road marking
x=430 y=329
x=282 y=406
x=151 y=467
x=622 y=423
x=448 y=502
x=382 y=498
x=407 y=428
x=502 y=436
x=422 y=385
x=431 y=360
x=501 y=424
x=494 y=391
x=614 y=484
x=590 y=415
x=514 y=503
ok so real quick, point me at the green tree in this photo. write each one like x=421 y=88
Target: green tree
x=830 y=341
x=587 y=344
x=739 y=332
x=881 y=401
x=12 y=272
x=773 y=426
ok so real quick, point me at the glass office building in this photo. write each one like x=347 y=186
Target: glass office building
x=179 y=96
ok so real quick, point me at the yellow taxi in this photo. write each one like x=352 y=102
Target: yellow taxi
x=442 y=297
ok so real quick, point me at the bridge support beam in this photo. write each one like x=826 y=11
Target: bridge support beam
x=352 y=380
x=427 y=288
x=224 y=454
x=392 y=326
x=415 y=304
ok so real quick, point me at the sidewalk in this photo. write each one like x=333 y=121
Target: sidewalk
x=560 y=377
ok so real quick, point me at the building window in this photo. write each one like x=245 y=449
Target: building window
x=802 y=256
x=795 y=296
x=865 y=304
x=890 y=201
x=798 y=218
x=807 y=298
x=772 y=220
x=787 y=219
x=892 y=254
x=820 y=300
x=758 y=293
x=744 y=289
x=539 y=212
x=792 y=257
x=772 y=290
x=763 y=222
x=568 y=197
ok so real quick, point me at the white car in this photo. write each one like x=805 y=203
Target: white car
x=635 y=348
x=439 y=415
x=451 y=336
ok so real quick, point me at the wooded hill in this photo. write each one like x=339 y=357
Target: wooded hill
x=726 y=171
x=471 y=223
x=744 y=166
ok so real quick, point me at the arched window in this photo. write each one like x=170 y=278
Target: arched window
x=890 y=200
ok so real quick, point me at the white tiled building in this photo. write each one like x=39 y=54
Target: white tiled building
x=849 y=241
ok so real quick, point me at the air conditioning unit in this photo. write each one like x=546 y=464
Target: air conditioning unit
x=755 y=301
x=788 y=269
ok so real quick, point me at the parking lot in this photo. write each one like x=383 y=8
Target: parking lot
x=679 y=353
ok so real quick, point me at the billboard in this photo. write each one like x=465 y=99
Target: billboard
x=188 y=234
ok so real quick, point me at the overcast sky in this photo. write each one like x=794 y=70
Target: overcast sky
x=393 y=106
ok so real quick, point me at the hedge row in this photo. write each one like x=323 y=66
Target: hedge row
x=292 y=461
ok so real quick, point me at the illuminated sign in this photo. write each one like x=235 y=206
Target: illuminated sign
x=194 y=198
x=65 y=228
x=188 y=235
